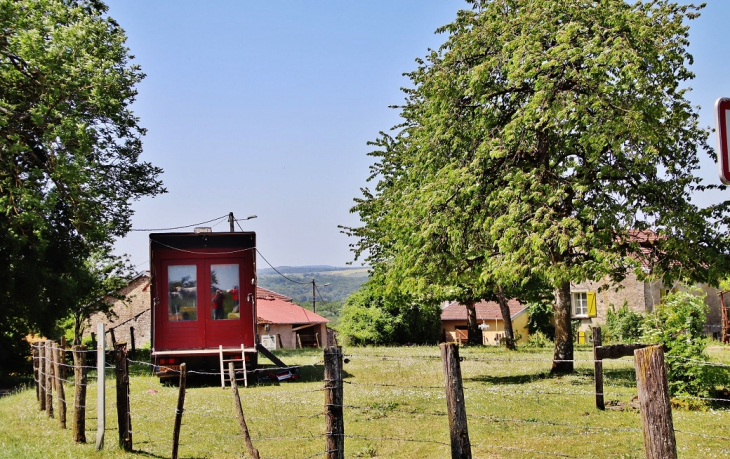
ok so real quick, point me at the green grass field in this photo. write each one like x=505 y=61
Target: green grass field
x=395 y=408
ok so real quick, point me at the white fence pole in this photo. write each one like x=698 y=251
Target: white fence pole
x=100 y=395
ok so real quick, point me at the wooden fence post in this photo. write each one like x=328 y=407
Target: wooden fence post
x=36 y=361
x=80 y=379
x=179 y=411
x=49 y=378
x=101 y=388
x=460 y=446
x=656 y=410
x=63 y=357
x=598 y=369
x=132 y=350
x=41 y=376
x=333 y=401
x=253 y=452
x=124 y=415
x=60 y=390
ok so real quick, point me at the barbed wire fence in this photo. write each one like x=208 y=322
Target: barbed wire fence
x=324 y=431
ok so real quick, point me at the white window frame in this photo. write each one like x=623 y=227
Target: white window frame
x=579 y=304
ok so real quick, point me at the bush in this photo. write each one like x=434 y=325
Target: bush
x=365 y=324
x=678 y=323
x=539 y=340
x=623 y=325
x=368 y=317
x=540 y=319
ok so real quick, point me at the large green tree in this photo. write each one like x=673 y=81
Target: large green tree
x=551 y=141
x=69 y=152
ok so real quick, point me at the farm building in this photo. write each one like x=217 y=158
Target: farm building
x=590 y=303
x=489 y=316
x=285 y=325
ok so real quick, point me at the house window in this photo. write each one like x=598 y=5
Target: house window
x=580 y=304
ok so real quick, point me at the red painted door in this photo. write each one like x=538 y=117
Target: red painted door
x=229 y=316
x=179 y=316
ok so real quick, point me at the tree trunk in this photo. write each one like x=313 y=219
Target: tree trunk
x=475 y=335
x=563 y=357
x=509 y=336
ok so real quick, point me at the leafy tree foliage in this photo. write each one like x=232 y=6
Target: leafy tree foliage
x=541 y=142
x=96 y=287
x=69 y=153
x=372 y=318
x=678 y=324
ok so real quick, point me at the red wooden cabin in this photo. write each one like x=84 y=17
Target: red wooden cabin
x=203 y=293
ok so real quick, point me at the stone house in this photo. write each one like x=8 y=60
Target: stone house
x=590 y=305
x=132 y=314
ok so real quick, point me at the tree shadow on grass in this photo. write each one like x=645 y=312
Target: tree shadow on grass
x=509 y=379
x=621 y=377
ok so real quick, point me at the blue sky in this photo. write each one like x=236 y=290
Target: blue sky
x=266 y=108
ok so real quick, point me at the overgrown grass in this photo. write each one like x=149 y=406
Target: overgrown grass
x=395 y=409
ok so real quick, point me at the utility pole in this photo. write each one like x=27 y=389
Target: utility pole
x=314 y=294
x=231 y=220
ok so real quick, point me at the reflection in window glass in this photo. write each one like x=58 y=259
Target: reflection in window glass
x=182 y=287
x=225 y=297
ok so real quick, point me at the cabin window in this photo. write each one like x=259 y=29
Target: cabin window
x=225 y=300
x=182 y=287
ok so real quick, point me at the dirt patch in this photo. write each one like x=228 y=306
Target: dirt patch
x=623 y=406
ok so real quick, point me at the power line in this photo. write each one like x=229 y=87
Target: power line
x=278 y=272
x=180 y=227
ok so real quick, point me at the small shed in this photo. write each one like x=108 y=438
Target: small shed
x=489 y=316
x=281 y=324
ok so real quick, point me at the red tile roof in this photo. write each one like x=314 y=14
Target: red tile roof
x=274 y=308
x=265 y=293
x=486 y=310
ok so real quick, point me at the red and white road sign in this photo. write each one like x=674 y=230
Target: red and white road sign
x=722 y=126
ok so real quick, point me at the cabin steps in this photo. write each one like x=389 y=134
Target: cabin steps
x=239 y=368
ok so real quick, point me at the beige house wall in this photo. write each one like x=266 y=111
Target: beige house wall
x=640 y=297
x=288 y=336
x=496 y=327
x=137 y=303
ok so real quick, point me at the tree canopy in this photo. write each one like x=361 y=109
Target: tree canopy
x=69 y=152
x=550 y=142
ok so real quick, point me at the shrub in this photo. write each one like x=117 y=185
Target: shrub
x=677 y=323
x=540 y=319
x=365 y=324
x=623 y=325
x=539 y=340
x=370 y=317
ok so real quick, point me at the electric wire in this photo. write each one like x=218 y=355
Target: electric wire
x=180 y=227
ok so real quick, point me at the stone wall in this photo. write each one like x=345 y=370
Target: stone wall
x=137 y=304
x=640 y=297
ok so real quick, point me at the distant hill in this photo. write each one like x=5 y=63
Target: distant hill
x=314 y=269
x=296 y=283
